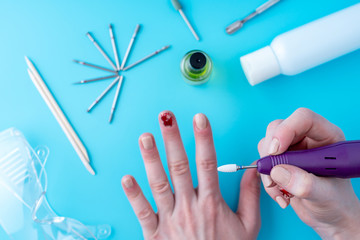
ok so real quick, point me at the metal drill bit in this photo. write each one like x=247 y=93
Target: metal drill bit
x=96 y=79
x=146 y=58
x=189 y=25
x=102 y=94
x=113 y=43
x=238 y=24
x=246 y=167
x=94 y=66
x=234 y=168
x=130 y=46
x=116 y=98
x=101 y=50
x=178 y=7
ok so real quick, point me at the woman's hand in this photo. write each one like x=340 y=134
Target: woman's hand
x=328 y=205
x=189 y=213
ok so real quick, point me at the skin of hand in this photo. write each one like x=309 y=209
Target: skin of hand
x=328 y=205
x=189 y=213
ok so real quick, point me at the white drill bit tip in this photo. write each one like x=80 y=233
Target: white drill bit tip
x=234 y=168
x=228 y=168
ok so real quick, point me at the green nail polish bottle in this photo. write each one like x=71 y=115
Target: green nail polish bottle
x=196 y=67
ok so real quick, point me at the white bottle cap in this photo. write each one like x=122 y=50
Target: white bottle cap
x=260 y=65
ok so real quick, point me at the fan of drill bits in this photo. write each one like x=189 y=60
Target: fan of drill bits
x=116 y=69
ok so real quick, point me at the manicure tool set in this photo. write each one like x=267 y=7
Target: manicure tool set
x=56 y=110
x=116 y=68
x=341 y=160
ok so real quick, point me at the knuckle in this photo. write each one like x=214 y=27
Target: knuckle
x=305 y=187
x=179 y=167
x=134 y=195
x=340 y=136
x=272 y=125
x=210 y=207
x=209 y=202
x=173 y=133
x=144 y=214
x=160 y=187
x=190 y=223
x=156 y=235
x=186 y=209
x=208 y=164
x=305 y=112
x=254 y=229
x=151 y=157
x=286 y=126
x=260 y=144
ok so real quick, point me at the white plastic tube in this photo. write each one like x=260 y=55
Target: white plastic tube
x=305 y=47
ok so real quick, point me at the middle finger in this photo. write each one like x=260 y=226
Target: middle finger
x=176 y=155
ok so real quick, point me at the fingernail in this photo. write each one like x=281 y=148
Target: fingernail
x=282 y=203
x=280 y=175
x=266 y=180
x=274 y=146
x=285 y=193
x=128 y=183
x=200 y=121
x=167 y=119
x=147 y=142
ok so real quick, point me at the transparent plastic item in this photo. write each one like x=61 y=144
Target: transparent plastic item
x=24 y=211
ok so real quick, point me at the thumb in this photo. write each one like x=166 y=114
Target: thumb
x=299 y=182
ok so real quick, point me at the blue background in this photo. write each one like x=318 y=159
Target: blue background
x=53 y=33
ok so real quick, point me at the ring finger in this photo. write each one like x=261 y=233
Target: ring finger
x=158 y=181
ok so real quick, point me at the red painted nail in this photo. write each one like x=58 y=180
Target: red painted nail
x=167 y=119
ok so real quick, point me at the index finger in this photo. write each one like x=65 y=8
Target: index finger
x=307 y=126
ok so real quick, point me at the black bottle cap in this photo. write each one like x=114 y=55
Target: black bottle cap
x=198 y=60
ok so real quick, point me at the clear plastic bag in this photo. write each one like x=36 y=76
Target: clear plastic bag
x=24 y=211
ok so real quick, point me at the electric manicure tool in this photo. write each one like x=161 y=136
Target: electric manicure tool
x=341 y=160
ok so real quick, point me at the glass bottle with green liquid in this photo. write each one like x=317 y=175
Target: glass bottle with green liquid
x=196 y=67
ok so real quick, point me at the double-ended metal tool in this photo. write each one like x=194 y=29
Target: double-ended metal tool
x=238 y=24
x=341 y=160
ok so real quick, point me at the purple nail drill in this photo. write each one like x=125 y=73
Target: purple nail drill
x=341 y=160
